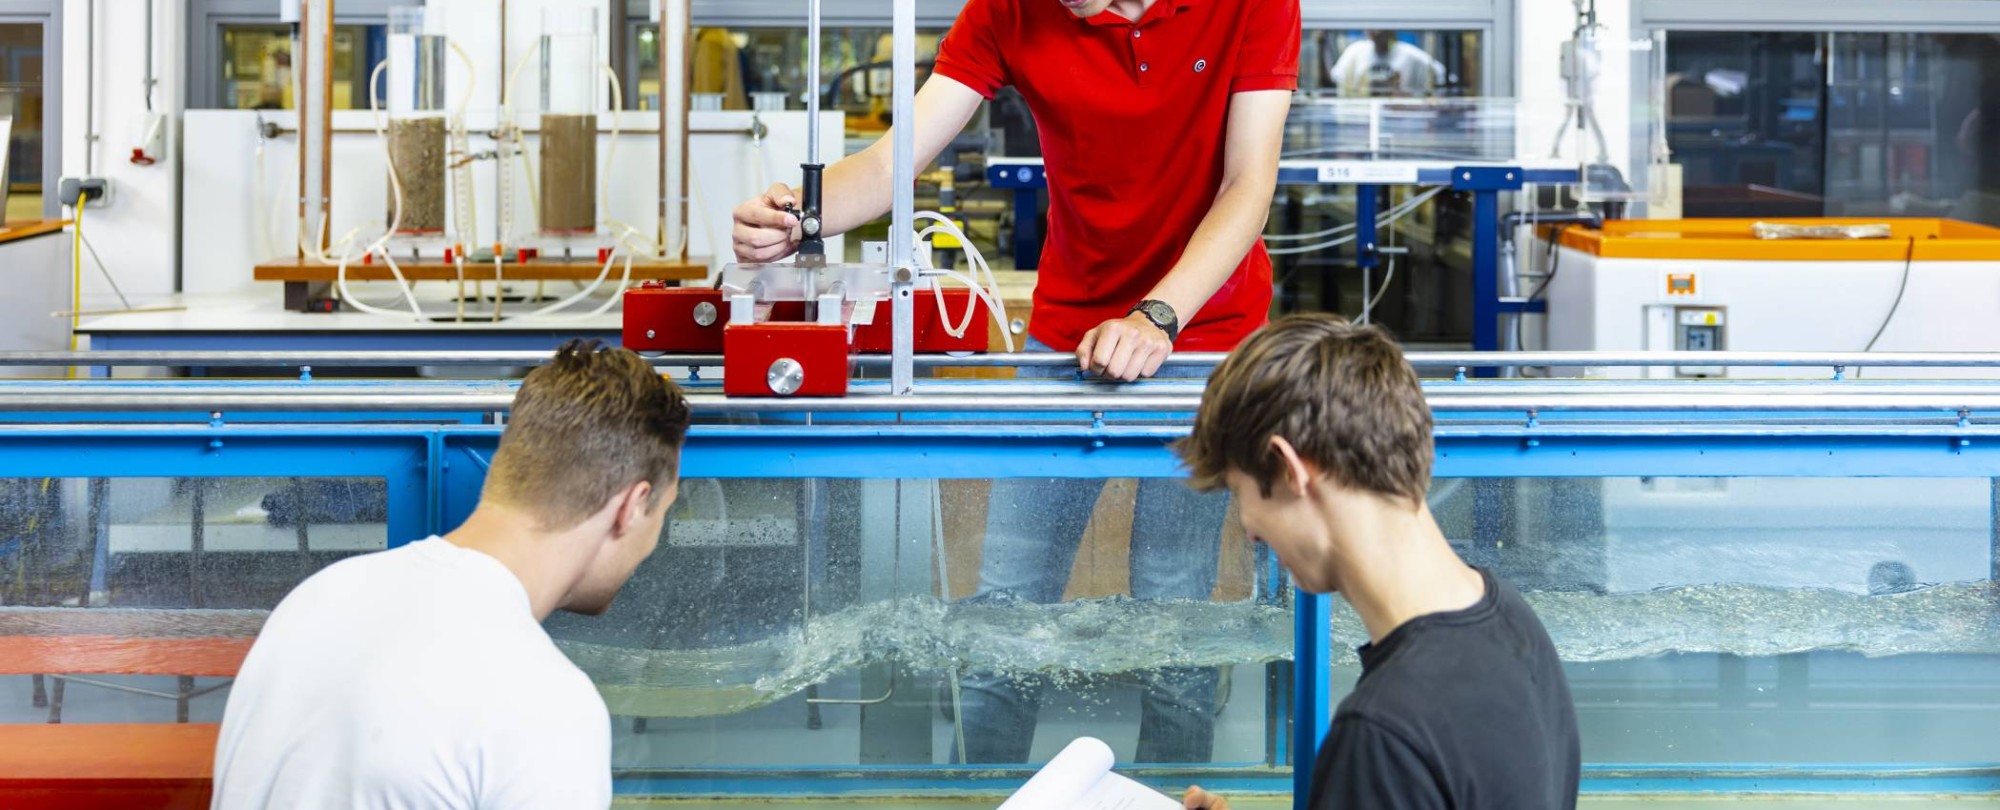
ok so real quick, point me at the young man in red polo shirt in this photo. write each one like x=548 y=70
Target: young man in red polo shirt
x=1161 y=122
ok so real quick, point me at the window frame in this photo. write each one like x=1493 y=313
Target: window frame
x=204 y=34
x=46 y=13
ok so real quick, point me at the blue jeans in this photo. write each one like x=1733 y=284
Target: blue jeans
x=1033 y=528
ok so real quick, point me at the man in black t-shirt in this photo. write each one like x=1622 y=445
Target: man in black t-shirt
x=1321 y=431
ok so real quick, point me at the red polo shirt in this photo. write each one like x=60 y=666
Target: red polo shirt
x=1132 y=117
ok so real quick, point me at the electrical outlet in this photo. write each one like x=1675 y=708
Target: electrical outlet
x=96 y=191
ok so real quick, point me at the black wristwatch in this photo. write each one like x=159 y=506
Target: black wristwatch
x=1162 y=315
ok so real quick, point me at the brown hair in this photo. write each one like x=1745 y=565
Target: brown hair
x=1341 y=394
x=584 y=427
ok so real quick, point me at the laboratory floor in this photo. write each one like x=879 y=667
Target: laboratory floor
x=1610 y=803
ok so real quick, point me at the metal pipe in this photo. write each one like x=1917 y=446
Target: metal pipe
x=1943 y=405
x=1423 y=360
x=326 y=126
x=902 y=228
x=301 y=50
x=149 y=55
x=812 y=81
x=89 y=88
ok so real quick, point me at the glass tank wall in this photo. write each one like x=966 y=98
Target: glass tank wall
x=791 y=625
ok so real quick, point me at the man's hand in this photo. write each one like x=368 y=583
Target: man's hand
x=1198 y=799
x=1124 y=349
x=764 y=231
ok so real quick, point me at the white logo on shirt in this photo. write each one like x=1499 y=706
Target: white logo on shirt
x=1200 y=65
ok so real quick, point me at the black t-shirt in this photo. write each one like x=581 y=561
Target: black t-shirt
x=1466 y=710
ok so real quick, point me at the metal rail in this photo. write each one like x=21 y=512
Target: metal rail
x=1424 y=360
x=1811 y=399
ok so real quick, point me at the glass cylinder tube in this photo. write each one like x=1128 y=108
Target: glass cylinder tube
x=570 y=93
x=417 y=124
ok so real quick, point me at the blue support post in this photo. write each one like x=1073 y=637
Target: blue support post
x=1027 y=229
x=1486 y=273
x=1312 y=682
x=1365 y=212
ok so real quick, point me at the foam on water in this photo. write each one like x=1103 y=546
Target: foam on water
x=1120 y=635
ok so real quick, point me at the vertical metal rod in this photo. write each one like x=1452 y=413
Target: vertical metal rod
x=149 y=55
x=902 y=231
x=1312 y=681
x=326 y=126
x=812 y=82
x=90 y=87
x=301 y=51
x=675 y=22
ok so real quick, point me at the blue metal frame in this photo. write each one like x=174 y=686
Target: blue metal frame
x=434 y=472
x=1484 y=183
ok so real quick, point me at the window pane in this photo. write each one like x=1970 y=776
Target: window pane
x=732 y=66
x=21 y=153
x=257 y=70
x=1857 y=125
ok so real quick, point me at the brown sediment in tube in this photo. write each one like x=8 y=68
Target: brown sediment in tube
x=417 y=147
x=569 y=173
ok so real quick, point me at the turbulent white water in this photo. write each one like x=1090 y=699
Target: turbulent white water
x=1119 y=635
x=1094 y=637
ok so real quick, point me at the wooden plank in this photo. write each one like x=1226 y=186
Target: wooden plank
x=538 y=270
x=105 y=753
x=121 y=655
x=30 y=228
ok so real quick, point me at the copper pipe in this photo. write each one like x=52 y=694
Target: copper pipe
x=661 y=49
x=687 y=121
x=299 y=74
x=326 y=129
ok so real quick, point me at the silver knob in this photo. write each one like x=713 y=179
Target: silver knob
x=809 y=226
x=704 y=314
x=785 y=377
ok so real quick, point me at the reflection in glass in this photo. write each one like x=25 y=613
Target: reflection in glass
x=1844 y=124
x=258 y=74
x=766 y=596
x=21 y=156
x=1747 y=620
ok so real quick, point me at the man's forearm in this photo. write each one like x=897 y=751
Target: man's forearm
x=856 y=190
x=1232 y=227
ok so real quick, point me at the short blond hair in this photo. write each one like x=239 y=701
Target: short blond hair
x=1342 y=395
x=584 y=427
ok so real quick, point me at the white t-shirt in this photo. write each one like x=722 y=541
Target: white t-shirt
x=1406 y=72
x=412 y=678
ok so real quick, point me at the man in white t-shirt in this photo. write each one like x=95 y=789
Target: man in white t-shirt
x=1382 y=66
x=420 y=677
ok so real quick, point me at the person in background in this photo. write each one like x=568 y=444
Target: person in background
x=421 y=677
x=1320 y=430
x=1382 y=66
x=1161 y=123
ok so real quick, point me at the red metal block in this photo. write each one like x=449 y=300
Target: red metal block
x=751 y=352
x=927 y=329
x=659 y=318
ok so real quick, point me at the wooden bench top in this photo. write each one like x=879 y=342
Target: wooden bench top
x=121 y=655
x=66 y=751
x=106 y=766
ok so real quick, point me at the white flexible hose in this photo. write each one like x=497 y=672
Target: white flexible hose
x=378 y=247
x=989 y=291
x=506 y=120
x=611 y=150
x=468 y=220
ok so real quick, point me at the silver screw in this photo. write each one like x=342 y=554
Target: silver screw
x=704 y=314
x=649 y=334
